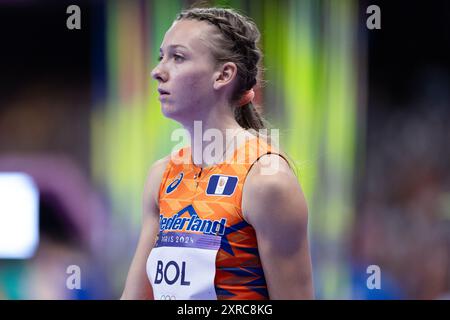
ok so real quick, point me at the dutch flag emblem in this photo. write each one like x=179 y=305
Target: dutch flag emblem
x=220 y=185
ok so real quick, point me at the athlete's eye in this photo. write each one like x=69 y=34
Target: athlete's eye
x=178 y=58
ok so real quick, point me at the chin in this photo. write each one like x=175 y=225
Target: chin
x=171 y=111
x=181 y=113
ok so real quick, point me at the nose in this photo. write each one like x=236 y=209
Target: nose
x=159 y=74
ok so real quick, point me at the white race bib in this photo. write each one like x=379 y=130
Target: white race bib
x=182 y=266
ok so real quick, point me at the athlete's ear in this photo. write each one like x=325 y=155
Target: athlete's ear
x=225 y=75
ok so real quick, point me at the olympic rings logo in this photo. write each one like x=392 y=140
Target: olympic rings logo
x=167 y=297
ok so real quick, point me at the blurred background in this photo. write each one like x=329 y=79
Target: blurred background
x=363 y=113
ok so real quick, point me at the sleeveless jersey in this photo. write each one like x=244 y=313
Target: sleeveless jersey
x=205 y=249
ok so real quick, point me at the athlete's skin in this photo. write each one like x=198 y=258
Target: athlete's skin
x=273 y=204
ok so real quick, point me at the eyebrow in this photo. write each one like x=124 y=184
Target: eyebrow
x=172 y=46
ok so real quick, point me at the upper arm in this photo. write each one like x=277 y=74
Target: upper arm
x=137 y=284
x=275 y=206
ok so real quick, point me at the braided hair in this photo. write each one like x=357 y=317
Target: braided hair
x=236 y=41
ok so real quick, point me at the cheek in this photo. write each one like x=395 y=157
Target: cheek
x=195 y=83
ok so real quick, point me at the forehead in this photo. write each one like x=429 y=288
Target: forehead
x=189 y=33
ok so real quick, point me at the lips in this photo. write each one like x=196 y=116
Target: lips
x=163 y=92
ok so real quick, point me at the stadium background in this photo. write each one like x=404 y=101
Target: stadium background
x=363 y=113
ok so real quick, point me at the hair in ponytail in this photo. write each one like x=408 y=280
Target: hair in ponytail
x=236 y=41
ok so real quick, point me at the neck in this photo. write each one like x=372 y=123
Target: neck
x=212 y=133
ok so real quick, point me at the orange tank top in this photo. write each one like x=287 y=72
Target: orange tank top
x=205 y=249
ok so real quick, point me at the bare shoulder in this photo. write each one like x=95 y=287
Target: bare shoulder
x=158 y=167
x=273 y=203
x=153 y=181
x=137 y=286
x=271 y=188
